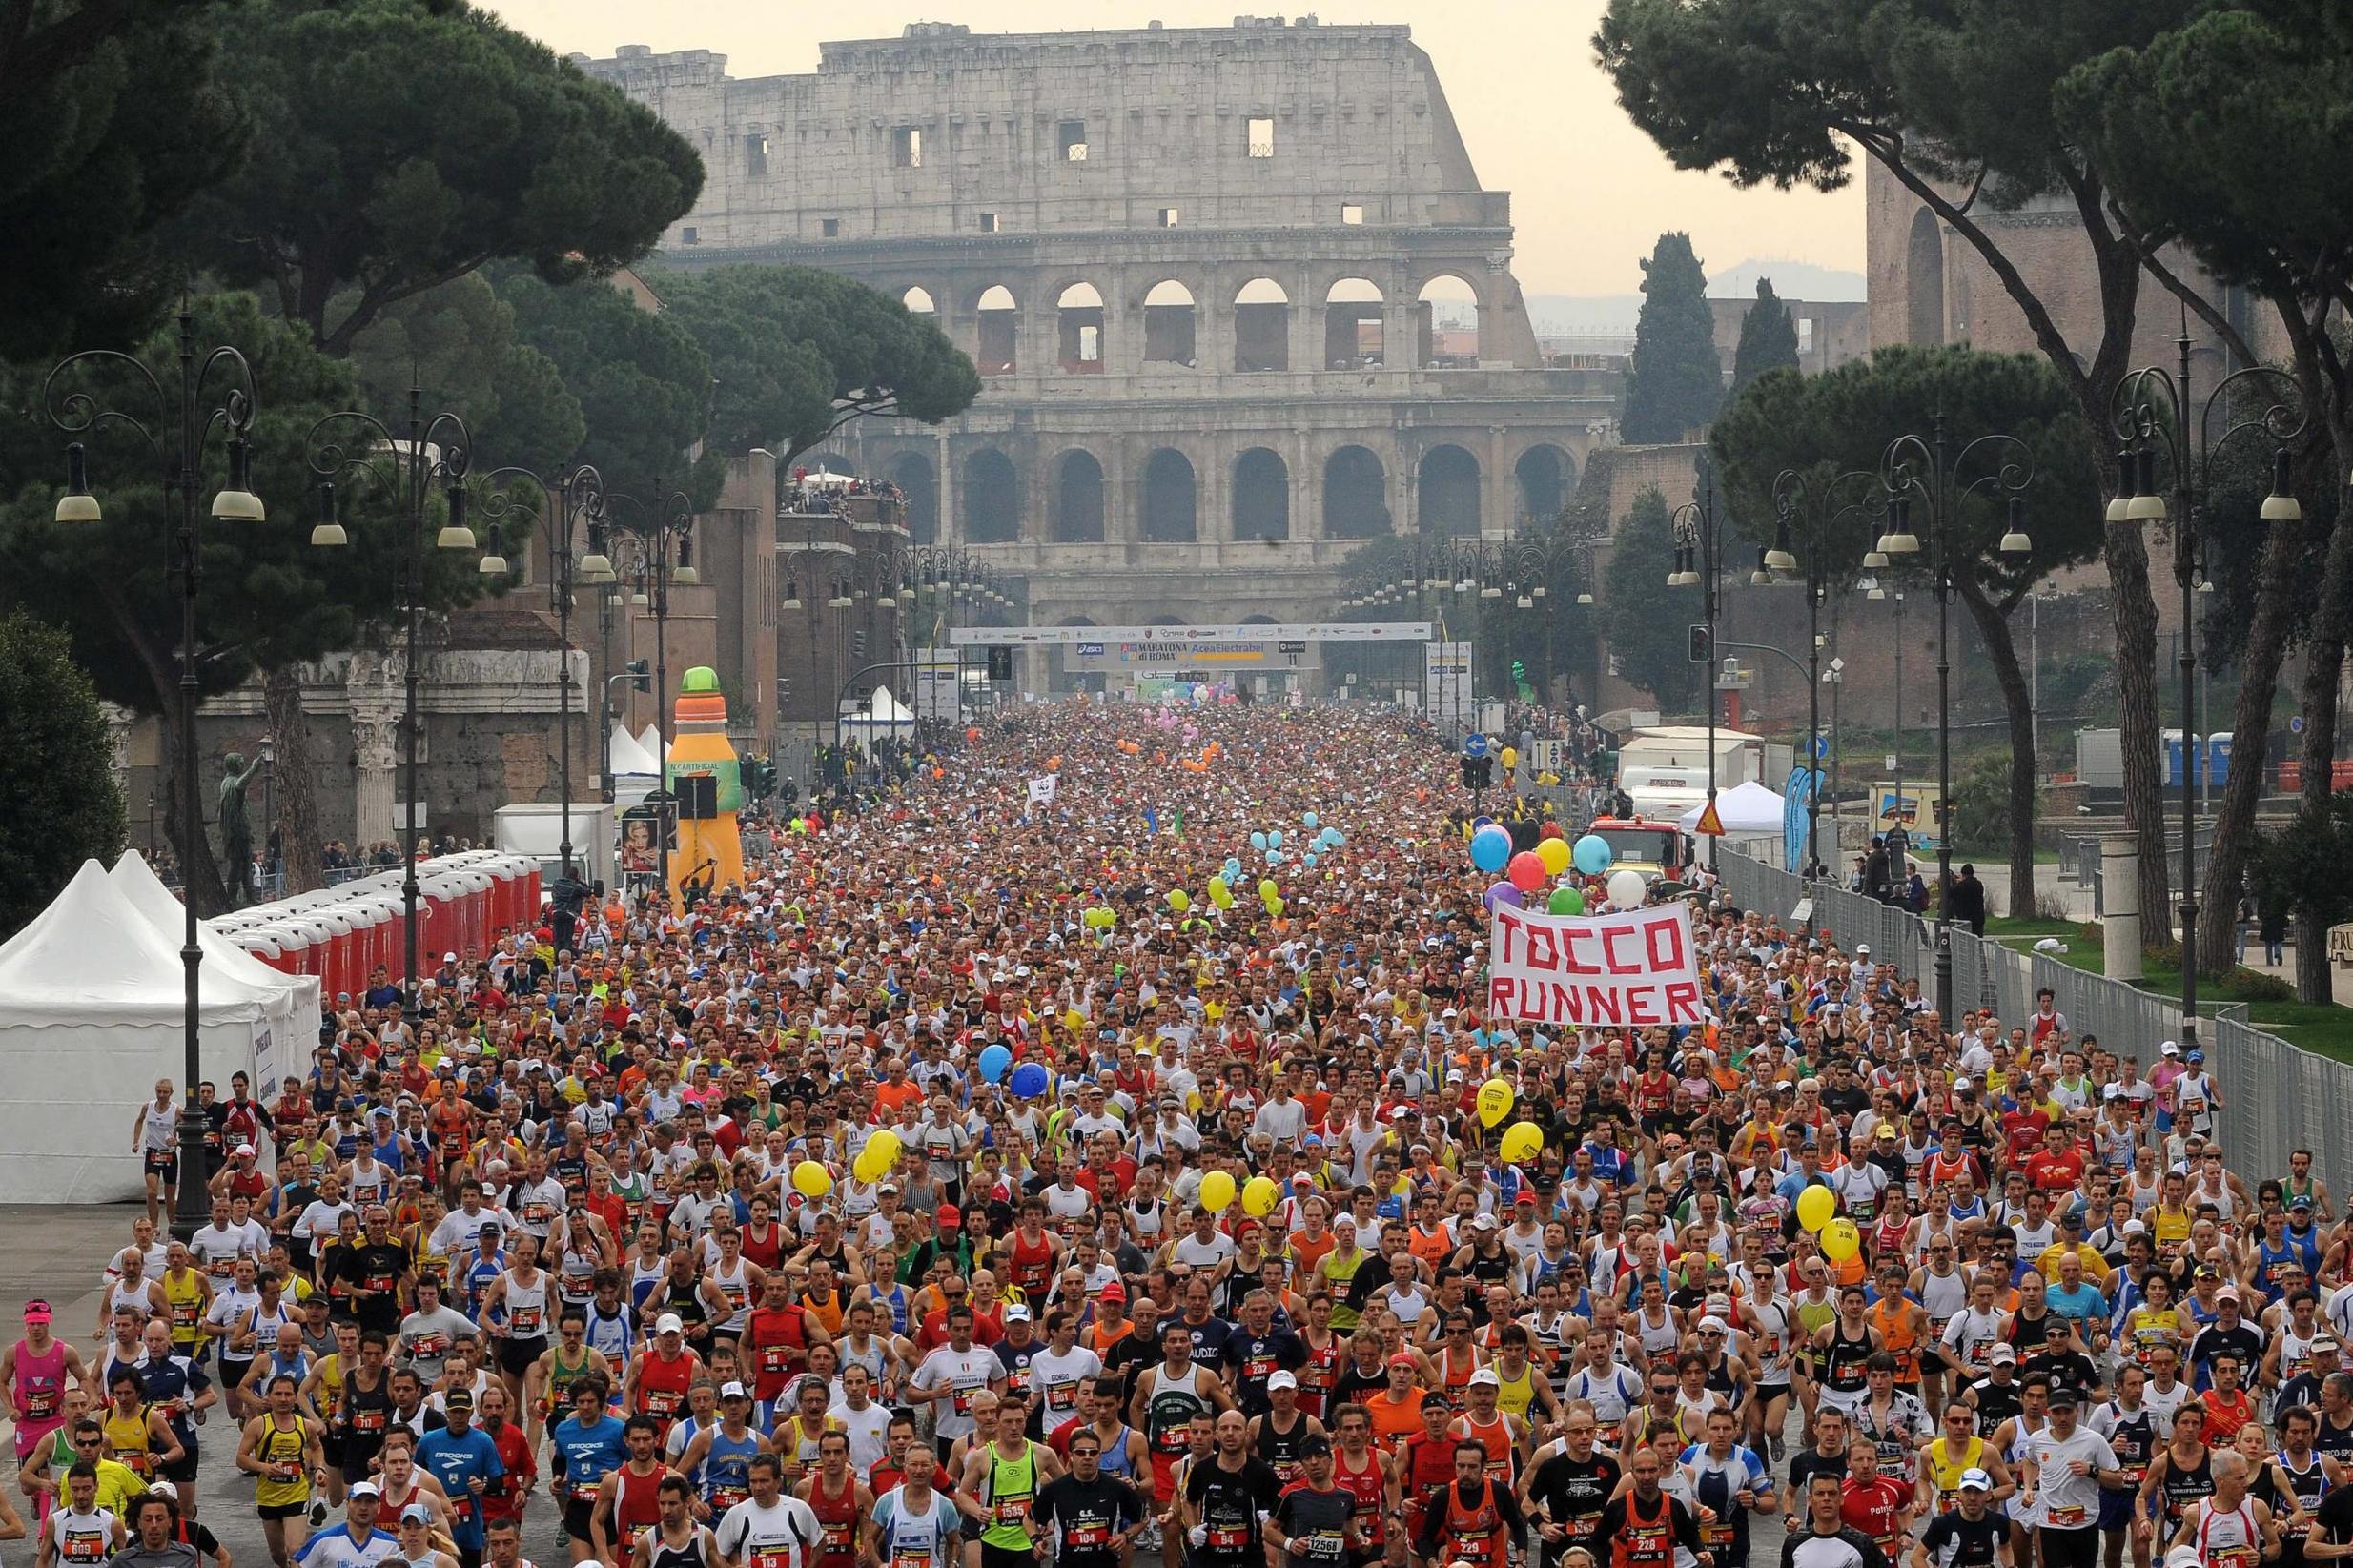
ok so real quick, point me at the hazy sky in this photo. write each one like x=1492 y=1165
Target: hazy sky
x=1590 y=193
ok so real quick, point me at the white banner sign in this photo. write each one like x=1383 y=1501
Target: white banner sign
x=1041 y=790
x=1634 y=968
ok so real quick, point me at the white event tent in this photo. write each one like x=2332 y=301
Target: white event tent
x=300 y=1016
x=90 y=1016
x=1747 y=810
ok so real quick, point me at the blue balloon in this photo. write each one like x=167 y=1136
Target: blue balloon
x=1274 y=839
x=1308 y=820
x=1591 y=854
x=1257 y=841
x=1308 y=858
x=1232 y=866
x=1490 y=849
x=1028 y=1080
x=1274 y=857
x=1338 y=839
x=1503 y=892
x=994 y=1062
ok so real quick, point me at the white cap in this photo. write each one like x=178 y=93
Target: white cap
x=415 y=1513
x=2169 y=1048
x=733 y=1390
x=1714 y=1325
x=669 y=1323
x=1974 y=1480
x=165 y=1489
x=1016 y=1314
x=1485 y=1377
x=364 y=1489
x=1282 y=1379
x=245 y=1150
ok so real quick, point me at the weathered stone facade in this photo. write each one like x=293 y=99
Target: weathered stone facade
x=1200 y=271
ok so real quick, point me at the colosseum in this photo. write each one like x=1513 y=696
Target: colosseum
x=1237 y=297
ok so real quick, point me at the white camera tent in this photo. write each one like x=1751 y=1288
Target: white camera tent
x=90 y=1016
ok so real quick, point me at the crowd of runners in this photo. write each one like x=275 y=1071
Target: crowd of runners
x=979 y=1186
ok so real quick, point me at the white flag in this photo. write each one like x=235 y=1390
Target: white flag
x=1041 y=790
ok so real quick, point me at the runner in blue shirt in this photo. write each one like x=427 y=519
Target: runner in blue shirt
x=589 y=1446
x=464 y=1459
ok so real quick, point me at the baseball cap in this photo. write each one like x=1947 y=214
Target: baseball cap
x=1714 y=1325
x=2302 y=1200
x=2001 y=1353
x=1016 y=1314
x=1977 y=1480
x=733 y=1390
x=1113 y=1291
x=669 y=1323
x=1283 y=1381
x=1485 y=1377
x=1402 y=1358
x=949 y=1218
x=165 y=1489
x=243 y=1150
x=2169 y=1048
x=1315 y=1448
x=2063 y=1393
x=364 y=1489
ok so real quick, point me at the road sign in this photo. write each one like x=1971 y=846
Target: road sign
x=1710 y=822
x=1474 y=745
x=2295 y=726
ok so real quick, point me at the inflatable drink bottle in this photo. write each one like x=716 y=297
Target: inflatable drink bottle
x=710 y=850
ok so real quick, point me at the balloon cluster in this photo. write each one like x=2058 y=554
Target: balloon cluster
x=1101 y=917
x=1817 y=1210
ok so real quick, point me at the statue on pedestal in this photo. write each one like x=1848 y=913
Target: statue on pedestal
x=236 y=830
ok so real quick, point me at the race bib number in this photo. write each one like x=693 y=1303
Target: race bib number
x=1227 y=1537
x=525 y=1324
x=2065 y=1519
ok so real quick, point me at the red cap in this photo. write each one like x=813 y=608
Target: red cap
x=1113 y=1291
x=949 y=1218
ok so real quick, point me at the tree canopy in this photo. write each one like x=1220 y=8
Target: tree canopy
x=398 y=144
x=798 y=352
x=1844 y=419
x=1675 y=380
x=1767 y=338
x=59 y=801
x=643 y=382
x=268 y=599
x=113 y=119
x=1648 y=624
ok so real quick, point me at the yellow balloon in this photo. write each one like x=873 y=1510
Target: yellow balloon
x=811 y=1180
x=1216 y=1191
x=1815 y=1207
x=1259 y=1194
x=1554 y=853
x=1841 y=1240
x=1180 y=900
x=868 y=1169
x=1495 y=1097
x=1523 y=1140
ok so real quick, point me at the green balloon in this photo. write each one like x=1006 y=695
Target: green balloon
x=1565 y=900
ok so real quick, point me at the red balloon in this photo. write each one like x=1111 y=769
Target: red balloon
x=1527 y=872
x=1550 y=830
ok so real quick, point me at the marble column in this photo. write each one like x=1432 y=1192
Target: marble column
x=375 y=741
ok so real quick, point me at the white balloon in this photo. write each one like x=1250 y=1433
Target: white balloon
x=1627 y=889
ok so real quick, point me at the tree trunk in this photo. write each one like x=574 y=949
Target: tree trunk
x=2019 y=706
x=2135 y=665
x=2323 y=663
x=301 y=842
x=2259 y=684
x=199 y=871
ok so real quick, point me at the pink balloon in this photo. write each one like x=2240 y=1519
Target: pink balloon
x=1527 y=871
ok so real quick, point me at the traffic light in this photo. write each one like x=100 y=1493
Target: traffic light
x=1703 y=648
x=641 y=673
x=1478 y=772
x=1000 y=663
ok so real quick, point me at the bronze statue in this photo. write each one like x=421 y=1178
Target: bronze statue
x=236 y=832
